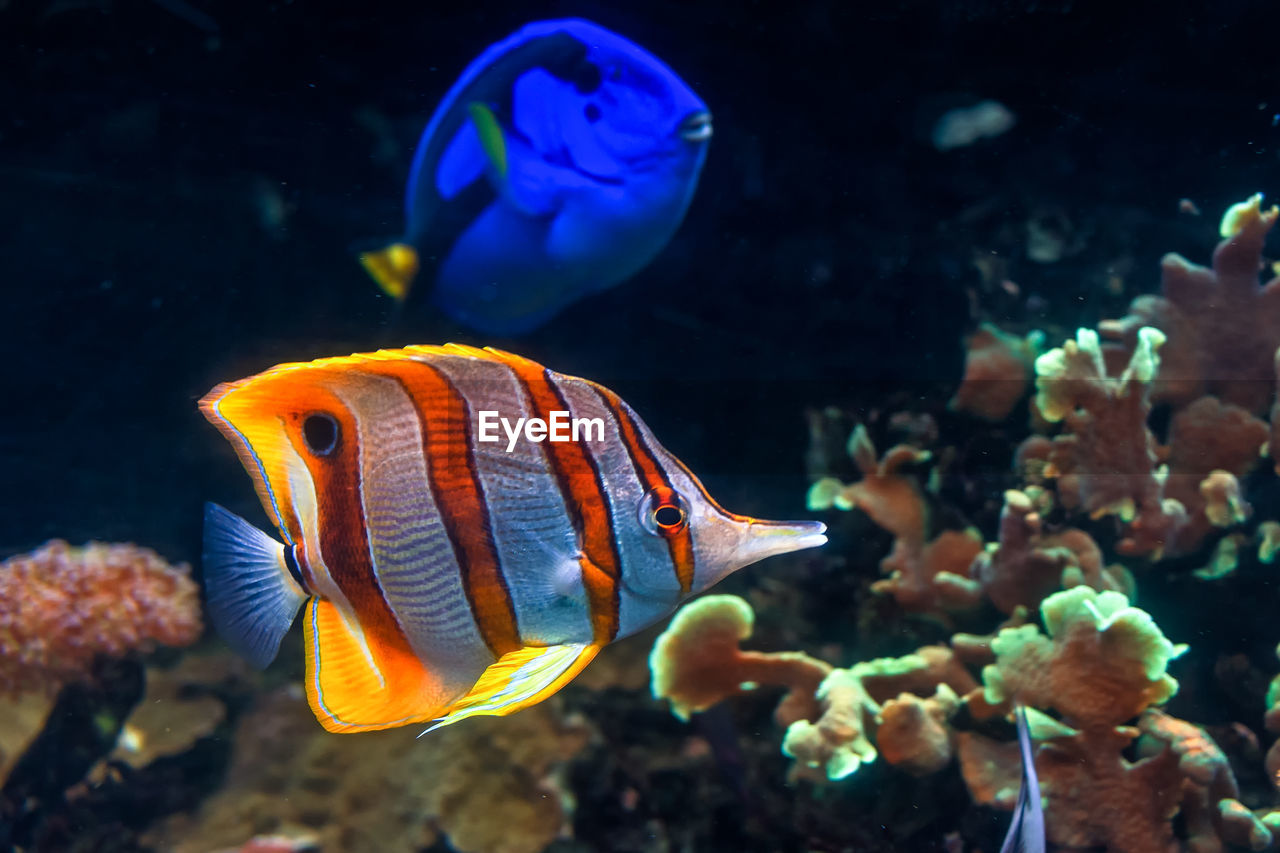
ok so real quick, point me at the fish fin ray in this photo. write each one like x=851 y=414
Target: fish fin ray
x=520 y=679
x=393 y=269
x=349 y=691
x=1026 y=830
x=252 y=597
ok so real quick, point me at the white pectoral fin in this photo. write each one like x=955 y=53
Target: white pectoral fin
x=519 y=679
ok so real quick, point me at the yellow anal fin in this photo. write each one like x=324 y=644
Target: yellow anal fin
x=393 y=268
x=492 y=140
x=519 y=679
x=354 y=686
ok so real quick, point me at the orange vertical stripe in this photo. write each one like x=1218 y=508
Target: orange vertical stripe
x=579 y=480
x=445 y=418
x=651 y=476
x=344 y=541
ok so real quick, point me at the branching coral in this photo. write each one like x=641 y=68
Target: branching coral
x=1099 y=664
x=924 y=576
x=697 y=663
x=1222 y=326
x=1028 y=564
x=1103 y=661
x=1105 y=462
x=63 y=606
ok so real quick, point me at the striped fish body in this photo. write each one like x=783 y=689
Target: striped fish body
x=443 y=574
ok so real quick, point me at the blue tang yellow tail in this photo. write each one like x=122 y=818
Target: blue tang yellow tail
x=559 y=164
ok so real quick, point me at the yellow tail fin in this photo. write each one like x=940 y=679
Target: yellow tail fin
x=393 y=268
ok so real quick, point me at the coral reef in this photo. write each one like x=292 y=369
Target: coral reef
x=490 y=786
x=1141 y=467
x=1105 y=461
x=1222 y=325
x=67 y=605
x=924 y=576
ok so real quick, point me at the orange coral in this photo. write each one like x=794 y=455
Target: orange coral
x=829 y=714
x=1223 y=328
x=997 y=371
x=924 y=576
x=1211 y=445
x=63 y=606
x=1105 y=462
x=1029 y=564
x=697 y=663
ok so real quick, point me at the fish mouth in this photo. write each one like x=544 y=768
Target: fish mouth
x=696 y=127
x=771 y=538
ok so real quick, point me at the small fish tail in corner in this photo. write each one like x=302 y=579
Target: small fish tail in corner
x=393 y=269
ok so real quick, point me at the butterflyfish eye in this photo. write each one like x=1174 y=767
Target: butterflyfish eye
x=586 y=77
x=320 y=431
x=664 y=512
x=592 y=112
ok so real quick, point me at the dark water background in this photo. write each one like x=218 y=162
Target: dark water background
x=825 y=259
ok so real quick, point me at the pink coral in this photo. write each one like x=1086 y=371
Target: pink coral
x=63 y=606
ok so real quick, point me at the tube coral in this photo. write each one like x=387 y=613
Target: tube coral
x=65 y=605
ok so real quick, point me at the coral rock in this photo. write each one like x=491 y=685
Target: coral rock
x=491 y=786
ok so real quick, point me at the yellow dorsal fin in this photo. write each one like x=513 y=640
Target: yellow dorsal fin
x=393 y=268
x=519 y=679
x=355 y=685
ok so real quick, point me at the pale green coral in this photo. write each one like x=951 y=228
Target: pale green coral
x=837 y=743
x=1239 y=215
x=1059 y=372
x=1102 y=662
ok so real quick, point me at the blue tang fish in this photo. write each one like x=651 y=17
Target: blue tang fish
x=559 y=164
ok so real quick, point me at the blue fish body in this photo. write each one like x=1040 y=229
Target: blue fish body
x=1026 y=832
x=573 y=155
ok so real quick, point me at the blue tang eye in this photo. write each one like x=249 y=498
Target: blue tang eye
x=592 y=113
x=586 y=77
